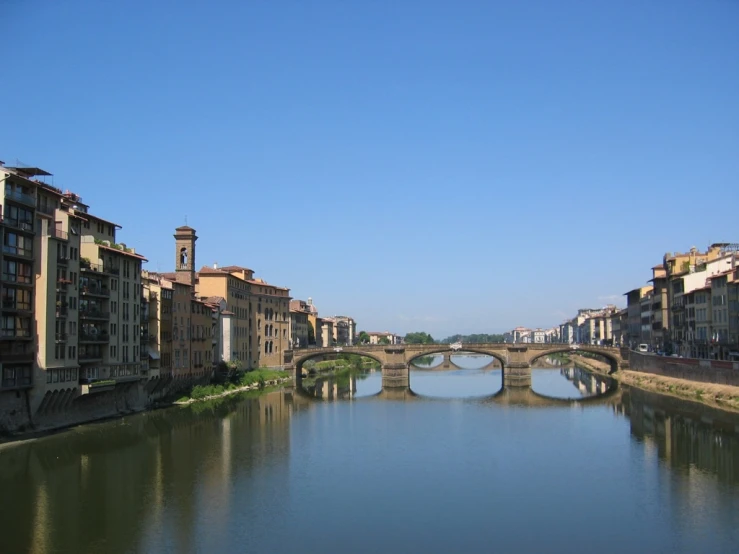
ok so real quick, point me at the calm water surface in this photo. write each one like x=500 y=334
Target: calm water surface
x=284 y=472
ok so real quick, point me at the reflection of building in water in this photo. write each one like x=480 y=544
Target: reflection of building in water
x=589 y=384
x=331 y=388
x=685 y=435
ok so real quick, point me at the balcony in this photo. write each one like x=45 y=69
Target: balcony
x=46 y=210
x=61 y=310
x=62 y=259
x=94 y=290
x=90 y=267
x=90 y=386
x=20 y=224
x=88 y=357
x=60 y=337
x=10 y=334
x=58 y=234
x=62 y=284
x=144 y=354
x=17 y=357
x=21 y=197
x=89 y=313
x=98 y=336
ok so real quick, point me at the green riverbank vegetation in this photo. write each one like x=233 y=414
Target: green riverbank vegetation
x=257 y=378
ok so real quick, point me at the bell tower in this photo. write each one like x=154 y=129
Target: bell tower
x=184 y=239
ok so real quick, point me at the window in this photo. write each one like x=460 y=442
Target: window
x=19 y=217
x=16 y=272
x=19 y=245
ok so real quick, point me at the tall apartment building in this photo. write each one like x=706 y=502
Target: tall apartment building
x=271 y=319
x=299 y=313
x=325 y=332
x=345 y=330
x=635 y=300
x=160 y=294
x=71 y=295
x=733 y=296
x=18 y=232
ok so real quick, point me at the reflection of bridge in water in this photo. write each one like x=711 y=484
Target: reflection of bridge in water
x=447 y=363
x=600 y=388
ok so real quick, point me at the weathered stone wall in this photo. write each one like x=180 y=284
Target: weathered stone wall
x=705 y=371
x=125 y=398
x=14 y=412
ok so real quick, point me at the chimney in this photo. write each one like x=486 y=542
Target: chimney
x=215 y=265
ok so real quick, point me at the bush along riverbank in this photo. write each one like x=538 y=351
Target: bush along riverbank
x=251 y=380
x=724 y=397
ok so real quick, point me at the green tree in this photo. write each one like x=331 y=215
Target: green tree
x=474 y=339
x=384 y=340
x=419 y=338
x=364 y=338
x=311 y=334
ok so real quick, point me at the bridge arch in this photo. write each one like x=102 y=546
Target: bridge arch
x=444 y=349
x=299 y=361
x=613 y=357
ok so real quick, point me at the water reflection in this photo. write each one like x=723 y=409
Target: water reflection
x=460 y=383
x=570 y=383
x=344 y=385
x=687 y=436
x=118 y=486
x=242 y=473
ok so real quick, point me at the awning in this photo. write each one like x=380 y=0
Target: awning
x=153 y=355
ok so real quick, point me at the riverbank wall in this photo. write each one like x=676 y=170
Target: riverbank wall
x=691 y=369
x=17 y=415
x=717 y=395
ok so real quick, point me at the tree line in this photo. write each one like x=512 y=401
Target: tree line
x=421 y=337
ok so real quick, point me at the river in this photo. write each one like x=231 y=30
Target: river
x=456 y=467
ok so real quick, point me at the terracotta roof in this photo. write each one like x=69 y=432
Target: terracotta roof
x=260 y=282
x=236 y=268
x=227 y=312
x=184 y=228
x=660 y=266
x=213 y=299
x=207 y=270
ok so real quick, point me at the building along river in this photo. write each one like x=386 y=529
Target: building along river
x=455 y=467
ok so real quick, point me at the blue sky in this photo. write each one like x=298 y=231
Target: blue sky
x=447 y=166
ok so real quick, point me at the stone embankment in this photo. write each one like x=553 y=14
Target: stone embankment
x=717 y=395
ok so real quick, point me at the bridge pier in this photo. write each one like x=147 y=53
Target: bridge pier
x=395 y=376
x=517 y=375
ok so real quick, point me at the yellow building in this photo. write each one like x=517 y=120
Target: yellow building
x=71 y=295
x=159 y=292
x=258 y=313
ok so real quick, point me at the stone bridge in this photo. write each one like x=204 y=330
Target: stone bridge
x=515 y=359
